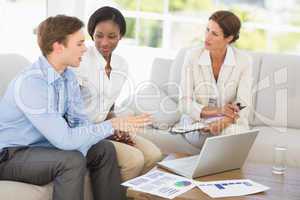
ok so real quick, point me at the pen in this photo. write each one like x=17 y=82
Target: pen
x=240 y=106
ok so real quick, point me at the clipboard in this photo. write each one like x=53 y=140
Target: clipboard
x=183 y=129
x=187 y=128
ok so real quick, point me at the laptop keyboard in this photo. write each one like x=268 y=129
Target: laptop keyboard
x=187 y=167
x=185 y=163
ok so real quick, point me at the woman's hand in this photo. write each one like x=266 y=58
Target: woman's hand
x=229 y=110
x=131 y=124
x=216 y=127
x=210 y=112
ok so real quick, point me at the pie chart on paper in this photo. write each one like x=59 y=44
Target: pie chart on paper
x=182 y=183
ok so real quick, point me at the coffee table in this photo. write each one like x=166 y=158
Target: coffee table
x=283 y=187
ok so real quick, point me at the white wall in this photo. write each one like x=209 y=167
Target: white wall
x=18 y=19
x=67 y=7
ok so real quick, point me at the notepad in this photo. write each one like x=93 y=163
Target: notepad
x=187 y=128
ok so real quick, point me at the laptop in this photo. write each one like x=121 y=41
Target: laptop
x=218 y=154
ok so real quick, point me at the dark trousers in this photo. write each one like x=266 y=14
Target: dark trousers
x=39 y=166
x=104 y=172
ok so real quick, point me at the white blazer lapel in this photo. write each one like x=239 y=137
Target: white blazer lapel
x=205 y=66
x=224 y=76
x=208 y=83
x=227 y=68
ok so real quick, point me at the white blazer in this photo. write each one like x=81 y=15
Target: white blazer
x=98 y=91
x=198 y=86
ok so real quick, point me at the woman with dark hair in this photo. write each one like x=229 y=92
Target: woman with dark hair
x=101 y=75
x=216 y=81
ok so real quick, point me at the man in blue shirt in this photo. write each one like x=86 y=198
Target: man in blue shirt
x=44 y=134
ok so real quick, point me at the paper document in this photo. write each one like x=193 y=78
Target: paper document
x=160 y=183
x=186 y=128
x=212 y=119
x=231 y=188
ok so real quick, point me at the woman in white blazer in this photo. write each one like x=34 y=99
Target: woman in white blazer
x=216 y=81
x=101 y=76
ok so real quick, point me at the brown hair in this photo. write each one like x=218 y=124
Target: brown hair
x=56 y=29
x=229 y=23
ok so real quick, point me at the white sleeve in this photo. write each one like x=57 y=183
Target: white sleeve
x=244 y=92
x=187 y=102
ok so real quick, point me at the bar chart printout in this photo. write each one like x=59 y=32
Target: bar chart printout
x=231 y=188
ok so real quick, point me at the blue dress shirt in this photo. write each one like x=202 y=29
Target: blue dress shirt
x=44 y=108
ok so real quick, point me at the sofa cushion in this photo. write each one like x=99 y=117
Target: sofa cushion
x=278 y=95
x=175 y=75
x=256 y=62
x=160 y=72
x=151 y=99
x=10 y=190
x=169 y=143
x=268 y=137
x=10 y=65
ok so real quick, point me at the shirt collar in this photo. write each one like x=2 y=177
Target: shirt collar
x=50 y=73
x=228 y=61
x=114 y=62
x=229 y=58
x=99 y=57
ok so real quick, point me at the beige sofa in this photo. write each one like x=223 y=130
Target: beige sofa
x=276 y=96
x=275 y=110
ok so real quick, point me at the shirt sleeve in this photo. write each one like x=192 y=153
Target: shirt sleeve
x=244 y=92
x=187 y=102
x=34 y=98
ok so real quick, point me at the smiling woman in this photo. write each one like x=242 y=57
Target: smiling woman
x=106 y=28
x=101 y=75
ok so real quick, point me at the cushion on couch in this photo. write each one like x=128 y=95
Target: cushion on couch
x=256 y=62
x=151 y=99
x=11 y=190
x=277 y=98
x=175 y=74
x=10 y=65
x=160 y=72
x=263 y=147
x=169 y=143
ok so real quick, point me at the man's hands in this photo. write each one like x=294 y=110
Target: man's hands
x=125 y=127
x=123 y=137
x=131 y=124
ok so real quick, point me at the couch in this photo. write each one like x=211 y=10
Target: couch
x=275 y=110
x=276 y=97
